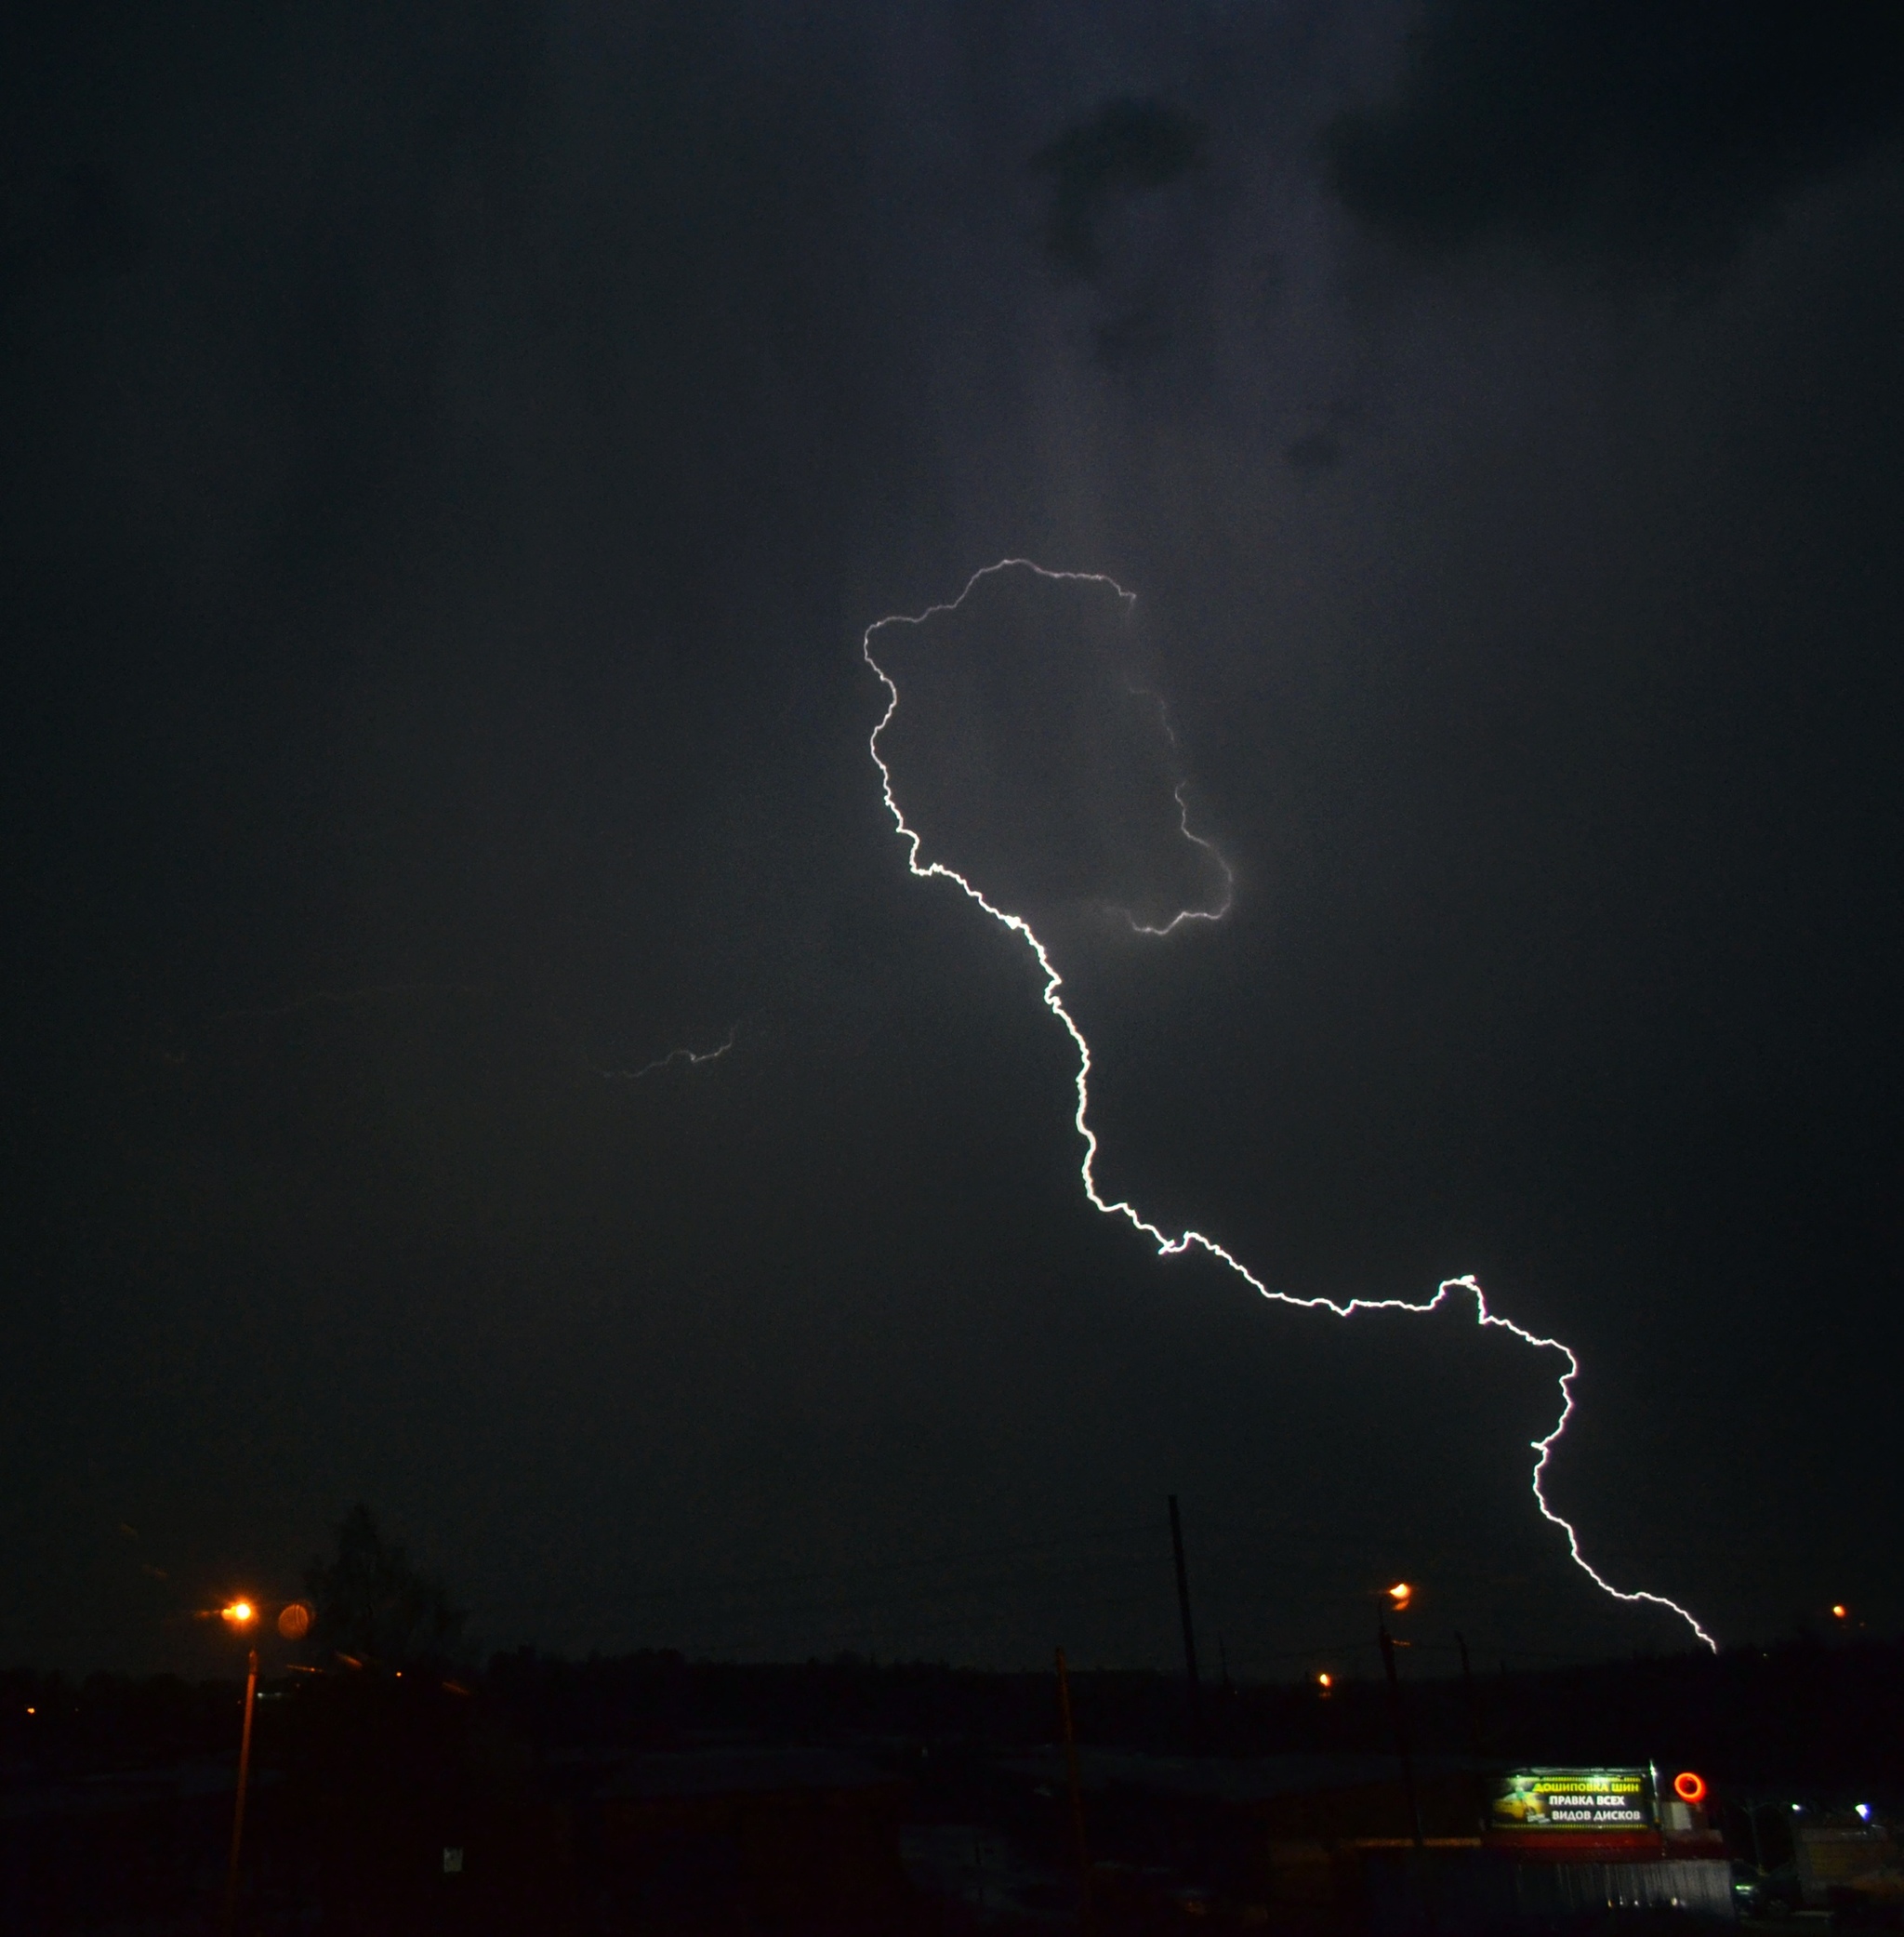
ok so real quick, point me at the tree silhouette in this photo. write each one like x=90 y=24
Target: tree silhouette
x=371 y=1603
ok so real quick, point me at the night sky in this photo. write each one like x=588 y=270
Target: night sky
x=452 y=454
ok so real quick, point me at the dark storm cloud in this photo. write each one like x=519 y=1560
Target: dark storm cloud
x=354 y=358
x=1637 y=131
x=452 y=454
x=1129 y=252
x=1321 y=449
x=79 y=222
x=1126 y=148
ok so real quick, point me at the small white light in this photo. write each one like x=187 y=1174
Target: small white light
x=1864 y=1812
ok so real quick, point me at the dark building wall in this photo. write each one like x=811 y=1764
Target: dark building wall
x=1480 y=1891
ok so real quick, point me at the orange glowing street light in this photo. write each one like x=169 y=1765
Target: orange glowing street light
x=1400 y=1594
x=1839 y=1612
x=1324 y=1681
x=241 y=1615
x=238 y=1615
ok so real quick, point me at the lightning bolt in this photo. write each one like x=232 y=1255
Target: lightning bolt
x=693 y=1057
x=1187 y=1240
x=1183 y=827
x=1187 y=914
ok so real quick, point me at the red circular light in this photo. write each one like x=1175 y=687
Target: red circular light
x=1689 y=1787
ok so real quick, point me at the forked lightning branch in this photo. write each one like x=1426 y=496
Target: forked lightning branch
x=1194 y=1239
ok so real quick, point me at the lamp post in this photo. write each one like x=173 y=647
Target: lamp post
x=239 y=1615
x=1399 y=1724
x=1400 y=1598
x=1080 y=1849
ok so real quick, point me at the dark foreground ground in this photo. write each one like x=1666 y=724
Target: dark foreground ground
x=656 y=1794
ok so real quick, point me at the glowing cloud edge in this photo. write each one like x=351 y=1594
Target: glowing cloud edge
x=1194 y=1239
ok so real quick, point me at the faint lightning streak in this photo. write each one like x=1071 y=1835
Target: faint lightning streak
x=693 y=1057
x=1194 y=1239
x=1183 y=827
x=1192 y=914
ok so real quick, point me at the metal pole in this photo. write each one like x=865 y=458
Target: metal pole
x=1189 y=1632
x=1401 y=1732
x=244 y=1778
x=1474 y=1700
x=1077 y=1787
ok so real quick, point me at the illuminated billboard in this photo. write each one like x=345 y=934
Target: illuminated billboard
x=1591 y=1799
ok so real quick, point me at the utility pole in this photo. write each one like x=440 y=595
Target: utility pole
x=1400 y=1726
x=238 y=1814
x=1080 y=1849
x=1473 y=1698
x=1189 y=1632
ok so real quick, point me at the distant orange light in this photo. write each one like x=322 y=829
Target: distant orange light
x=1325 y=1680
x=1401 y=1593
x=1839 y=1610
x=31 y=1710
x=241 y=1614
x=1689 y=1787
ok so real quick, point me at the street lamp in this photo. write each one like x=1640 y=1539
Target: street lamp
x=1398 y=1597
x=238 y=1616
x=241 y=1616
